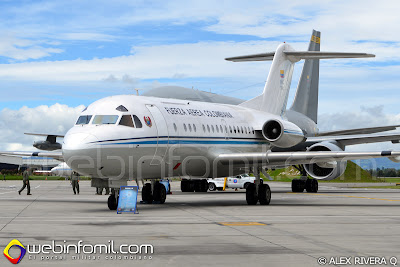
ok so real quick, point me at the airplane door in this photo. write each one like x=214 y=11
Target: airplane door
x=162 y=134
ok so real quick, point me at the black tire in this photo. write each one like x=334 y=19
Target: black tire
x=298 y=185
x=251 y=194
x=184 y=186
x=112 y=202
x=309 y=185
x=312 y=185
x=212 y=187
x=246 y=185
x=264 y=194
x=204 y=185
x=147 y=196
x=160 y=193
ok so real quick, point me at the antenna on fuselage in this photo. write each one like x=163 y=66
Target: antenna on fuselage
x=137 y=90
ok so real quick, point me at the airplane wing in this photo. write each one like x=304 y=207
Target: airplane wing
x=54 y=155
x=272 y=159
x=348 y=140
x=369 y=130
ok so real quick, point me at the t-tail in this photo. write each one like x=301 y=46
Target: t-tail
x=276 y=90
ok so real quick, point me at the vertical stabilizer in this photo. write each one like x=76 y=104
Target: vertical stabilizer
x=276 y=89
x=306 y=99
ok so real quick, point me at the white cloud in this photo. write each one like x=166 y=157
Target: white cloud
x=55 y=119
x=23 y=49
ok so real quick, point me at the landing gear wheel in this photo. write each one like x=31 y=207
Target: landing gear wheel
x=251 y=194
x=147 y=196
x=160 y=193
x=312 y=185
x=212 y=187
x=264 y=194
x=298 y=185
x=187 y=186
x=112 y=202
x=246 y=185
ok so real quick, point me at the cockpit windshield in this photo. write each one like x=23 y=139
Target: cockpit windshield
x=83 y=119
x=105 y=119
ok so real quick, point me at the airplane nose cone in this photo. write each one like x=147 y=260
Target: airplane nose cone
x=77 y=141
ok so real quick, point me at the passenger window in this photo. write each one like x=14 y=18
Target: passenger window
x=194 y=127
x=126 y=120
x=241 y=128
x=204 y=128
x=138 y=123
x=184 y=127
x=222 y=130
x=226 y=129
x=175 y=128
x=230 y=129
x=216 y=127
x=105 y=119
x=190 y=127
x=208 y=128
x=234 y=129
x=84 y=119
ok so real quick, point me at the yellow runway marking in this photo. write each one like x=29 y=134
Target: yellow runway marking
x=241 y=223
x=344 y=196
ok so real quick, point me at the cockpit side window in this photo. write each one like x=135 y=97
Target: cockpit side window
x=126 y=120
x=83 y=119
x=138 y=123
x=105 y=119
x=122 y=108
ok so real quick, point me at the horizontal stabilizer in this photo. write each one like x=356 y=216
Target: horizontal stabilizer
x=298 y=55
x=254 y=57
x=36 y=134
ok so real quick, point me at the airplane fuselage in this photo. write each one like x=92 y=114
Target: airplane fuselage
x=172 y=137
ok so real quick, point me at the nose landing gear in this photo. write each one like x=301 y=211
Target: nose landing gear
x=258 y=192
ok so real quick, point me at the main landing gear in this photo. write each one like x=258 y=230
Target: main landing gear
x=309 y=184
x=154 y=192
x=194 y=185
x=258 y=192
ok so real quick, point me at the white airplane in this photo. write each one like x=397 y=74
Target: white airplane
x=62 y=170
x=129 y=137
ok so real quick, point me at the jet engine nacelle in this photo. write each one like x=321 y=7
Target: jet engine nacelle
x=46 y=145
x=282 y=133
x=325 y=170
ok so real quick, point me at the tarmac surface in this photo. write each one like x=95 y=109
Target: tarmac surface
x=215 y=228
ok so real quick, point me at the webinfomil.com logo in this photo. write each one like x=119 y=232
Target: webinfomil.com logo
x=18 y=244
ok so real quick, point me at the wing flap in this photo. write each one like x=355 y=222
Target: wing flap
x=369 y=130
x=348 y=140
x=271 y=159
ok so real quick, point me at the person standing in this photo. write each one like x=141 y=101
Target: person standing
x=25 y=180
x=75 y=182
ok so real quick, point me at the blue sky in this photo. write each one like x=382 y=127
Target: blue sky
x=71 y=53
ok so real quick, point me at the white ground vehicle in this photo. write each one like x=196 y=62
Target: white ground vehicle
x=239 y=181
